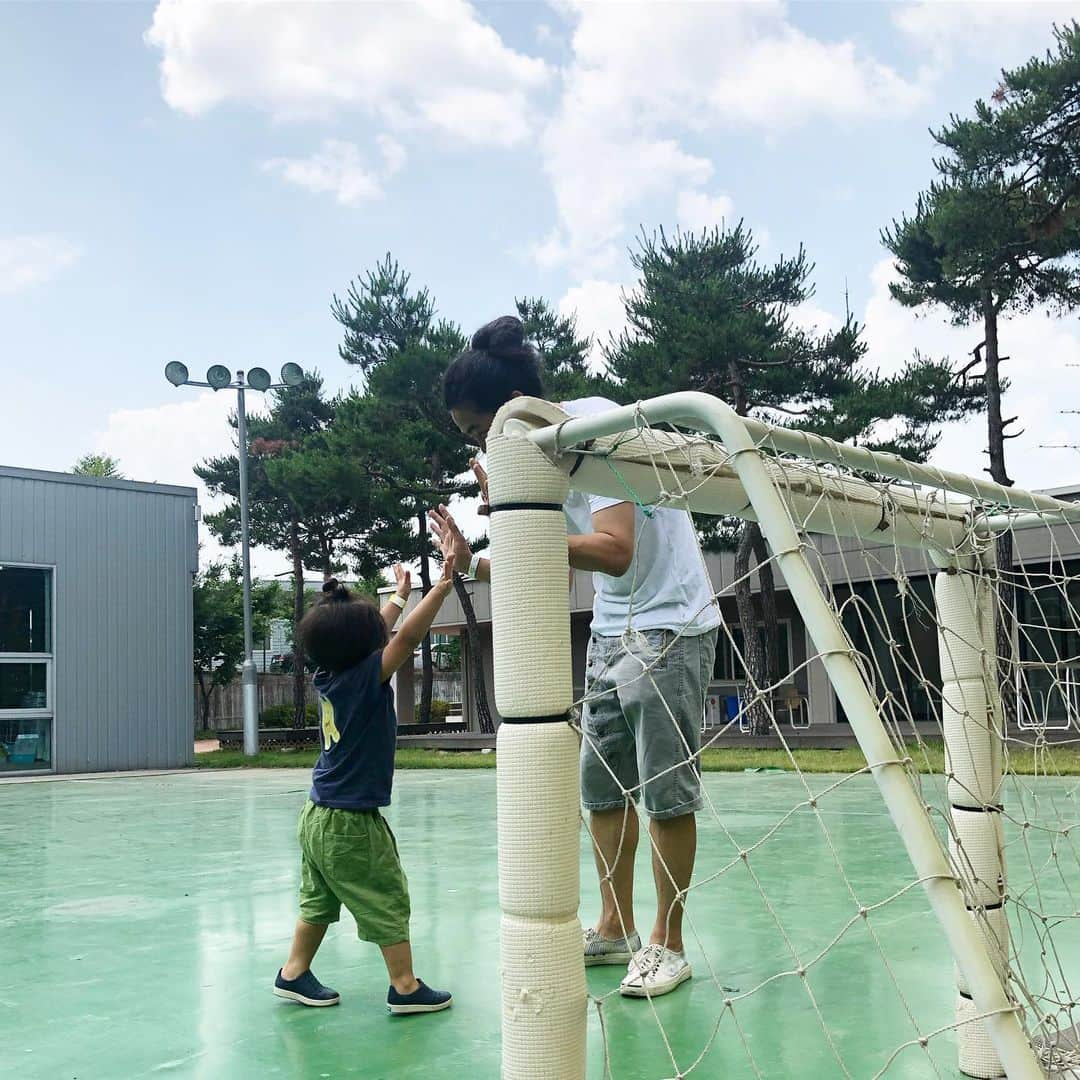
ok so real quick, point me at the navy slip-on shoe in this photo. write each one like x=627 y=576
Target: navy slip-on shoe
x=305 y=989
x=421 y=1000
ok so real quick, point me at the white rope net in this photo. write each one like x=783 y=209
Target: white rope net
x=851 y=961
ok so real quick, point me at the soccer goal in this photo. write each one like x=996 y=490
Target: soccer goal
x=939 y=616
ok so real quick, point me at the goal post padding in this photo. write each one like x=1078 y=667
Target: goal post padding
x=543 y=974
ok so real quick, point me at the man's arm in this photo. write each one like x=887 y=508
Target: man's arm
x=609 y=548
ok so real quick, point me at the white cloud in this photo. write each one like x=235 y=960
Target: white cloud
x=393 y=155
x=430 y=65
x=337 y=169
x=788 y=78
x=31 y=260
x=595 y=187
x=601 y=312
x=946 y=27
x=695 y=210
x=643 y=78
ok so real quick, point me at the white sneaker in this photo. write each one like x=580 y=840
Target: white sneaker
x=653 y=971
x=599 y=950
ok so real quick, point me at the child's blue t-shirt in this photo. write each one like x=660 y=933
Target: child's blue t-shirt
x=355 y=770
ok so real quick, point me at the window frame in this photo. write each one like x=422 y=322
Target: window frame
x=724 y=642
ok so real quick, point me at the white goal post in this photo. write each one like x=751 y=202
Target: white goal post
x=784 y=480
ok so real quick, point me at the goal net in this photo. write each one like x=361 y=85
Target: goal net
x=932 y=615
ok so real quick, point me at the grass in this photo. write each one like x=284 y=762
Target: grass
x=305 y=759
x=1063 y=761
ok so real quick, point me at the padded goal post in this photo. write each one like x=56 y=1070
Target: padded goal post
x=793 y=485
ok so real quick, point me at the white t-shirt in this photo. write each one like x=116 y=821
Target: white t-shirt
x=666 y=586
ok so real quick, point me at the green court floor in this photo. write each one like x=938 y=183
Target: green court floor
x=142 y=921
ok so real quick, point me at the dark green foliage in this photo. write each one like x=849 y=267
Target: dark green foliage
x=565 y=355
x=395 y=438
x=296 y=503
x=440 y=710
x=281 y=716
x=98 y=465
x=998 y=231
x=218 y=623
x=292 y=486
x=707 y=316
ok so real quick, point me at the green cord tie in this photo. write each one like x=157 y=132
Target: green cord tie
x=648 y=511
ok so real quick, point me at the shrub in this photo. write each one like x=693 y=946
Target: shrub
x=278 y=716
x=439 y=711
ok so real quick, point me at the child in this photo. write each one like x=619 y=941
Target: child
x=348 y=853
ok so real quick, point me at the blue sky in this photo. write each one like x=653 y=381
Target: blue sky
x=194 y=181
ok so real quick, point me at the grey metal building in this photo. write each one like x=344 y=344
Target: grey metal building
x=95 y=623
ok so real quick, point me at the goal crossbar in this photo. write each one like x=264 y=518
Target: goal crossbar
x=933 y=506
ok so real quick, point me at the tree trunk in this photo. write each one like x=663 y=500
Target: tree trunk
x=204 y=698
x=757 y=712
x=299 y=666
x=996 y=429
x=768 y=606
x=476 y=657
x=425 y=648
x=996 y=441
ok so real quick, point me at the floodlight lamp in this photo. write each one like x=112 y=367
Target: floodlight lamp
x=176 y=373
x=292 y=374
x=259 y=378
x=219 y=376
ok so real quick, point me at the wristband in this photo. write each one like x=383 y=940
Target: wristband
x=399 y=601
x=474 y=566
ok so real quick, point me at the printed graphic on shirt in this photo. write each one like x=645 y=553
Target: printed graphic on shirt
x=330 y=732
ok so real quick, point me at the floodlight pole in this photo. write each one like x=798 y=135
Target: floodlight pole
x=220 y=378
x=249 y=678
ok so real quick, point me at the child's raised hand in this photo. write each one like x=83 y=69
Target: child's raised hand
x=403 y=579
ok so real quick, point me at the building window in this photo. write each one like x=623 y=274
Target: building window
x=26 y=668
x=1048 y=637
x=728 y=667
x=24 y=685
x=893 y=628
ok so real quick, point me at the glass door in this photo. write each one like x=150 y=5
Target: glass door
x=26 y=668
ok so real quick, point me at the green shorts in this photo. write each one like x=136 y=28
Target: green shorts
x=350 y=857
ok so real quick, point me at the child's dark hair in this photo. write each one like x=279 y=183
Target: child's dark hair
x=498 y=361
x=340 y=630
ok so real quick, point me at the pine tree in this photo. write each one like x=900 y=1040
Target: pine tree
x=397 y=432
x=565 y=356
x=997 y=233
x=294 y=503
x=708 y=316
